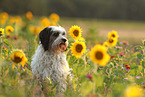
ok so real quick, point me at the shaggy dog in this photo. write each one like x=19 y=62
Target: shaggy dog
x=49 y=59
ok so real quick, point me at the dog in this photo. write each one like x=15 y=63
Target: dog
x=49 y=59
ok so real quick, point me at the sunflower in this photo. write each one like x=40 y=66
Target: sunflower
x=113 y=34
x=29 y=15
x=2 y=21
x=78 y=48
x=35 y=29
x=45 y=22
x=17 y=56
x=4 y=15
x=16 y=19
x=112 y=42
x=9 y=29
x=75 y=32
x=81 y=39
x=54 y=17
x=106 y=44
x=133 y=91
x=1 y=31
x=53 y=24
x=99 y=55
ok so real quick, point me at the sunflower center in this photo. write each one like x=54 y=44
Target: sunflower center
x=9 y=30
x=79 y=48
x=99 y=55
x=76 y=32
x=113 y=35
x=110 y=40
x=0 y=33
x=17 y=59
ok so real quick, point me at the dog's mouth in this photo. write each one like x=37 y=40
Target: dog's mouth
x=63 y=46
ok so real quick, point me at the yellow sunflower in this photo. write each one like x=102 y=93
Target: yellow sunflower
x=78 y=48
x=12 y=20
x=112 y=41
x=1 y=31
x=35 y=29
x=4 y=15
x=106 y=44
x=2 y=21
x=9 y=29
x=133 y=91
x=54 y=17
x=53 y=23
x=81 y=39
x=113 y=34
x=16 y=19
x=45 y=22
x=75 y=32
x=17 y=56
x=29 y=15
x=99 y=55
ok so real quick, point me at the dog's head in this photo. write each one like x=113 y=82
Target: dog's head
x=53 y=39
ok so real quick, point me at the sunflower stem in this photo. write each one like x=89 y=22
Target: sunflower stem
x=84 y=58
x=94 y=87
x=95 y=72
x=95 y=68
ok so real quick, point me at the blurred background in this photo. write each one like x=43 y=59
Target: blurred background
x=101 y=16
x=104 y=9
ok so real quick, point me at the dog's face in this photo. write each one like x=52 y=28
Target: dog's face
x=53 y=39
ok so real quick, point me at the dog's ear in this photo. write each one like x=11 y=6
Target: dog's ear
x=44 y=37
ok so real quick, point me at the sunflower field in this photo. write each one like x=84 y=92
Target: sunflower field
x=108 y=68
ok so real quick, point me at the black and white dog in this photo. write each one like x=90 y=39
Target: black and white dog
x=49 y=59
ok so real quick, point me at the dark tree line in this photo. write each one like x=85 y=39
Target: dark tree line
x=105 y=9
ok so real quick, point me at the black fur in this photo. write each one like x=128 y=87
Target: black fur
x=44 y=37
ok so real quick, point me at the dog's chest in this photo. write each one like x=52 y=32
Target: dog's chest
x=53 y=64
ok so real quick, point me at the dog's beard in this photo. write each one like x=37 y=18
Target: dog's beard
x=62 y=46
x=58 y=47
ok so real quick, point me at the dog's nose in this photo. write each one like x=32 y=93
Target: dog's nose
x=64 y=40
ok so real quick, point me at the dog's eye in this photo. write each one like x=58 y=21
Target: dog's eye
x=63 y=33
x=56 y=34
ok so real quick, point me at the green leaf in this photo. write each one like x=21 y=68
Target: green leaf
x=140 y=56
x=74 y=83
x=132 y=72
x=139 y=69
x=6 y=42
x=86 y=88
x=134 y=55
x=133 y=66
x=139 y=47
x=142 y=63
x=98 y=79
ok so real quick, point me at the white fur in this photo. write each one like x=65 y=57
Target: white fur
x=52 y=63
x=47 y=64
x=57 y=28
